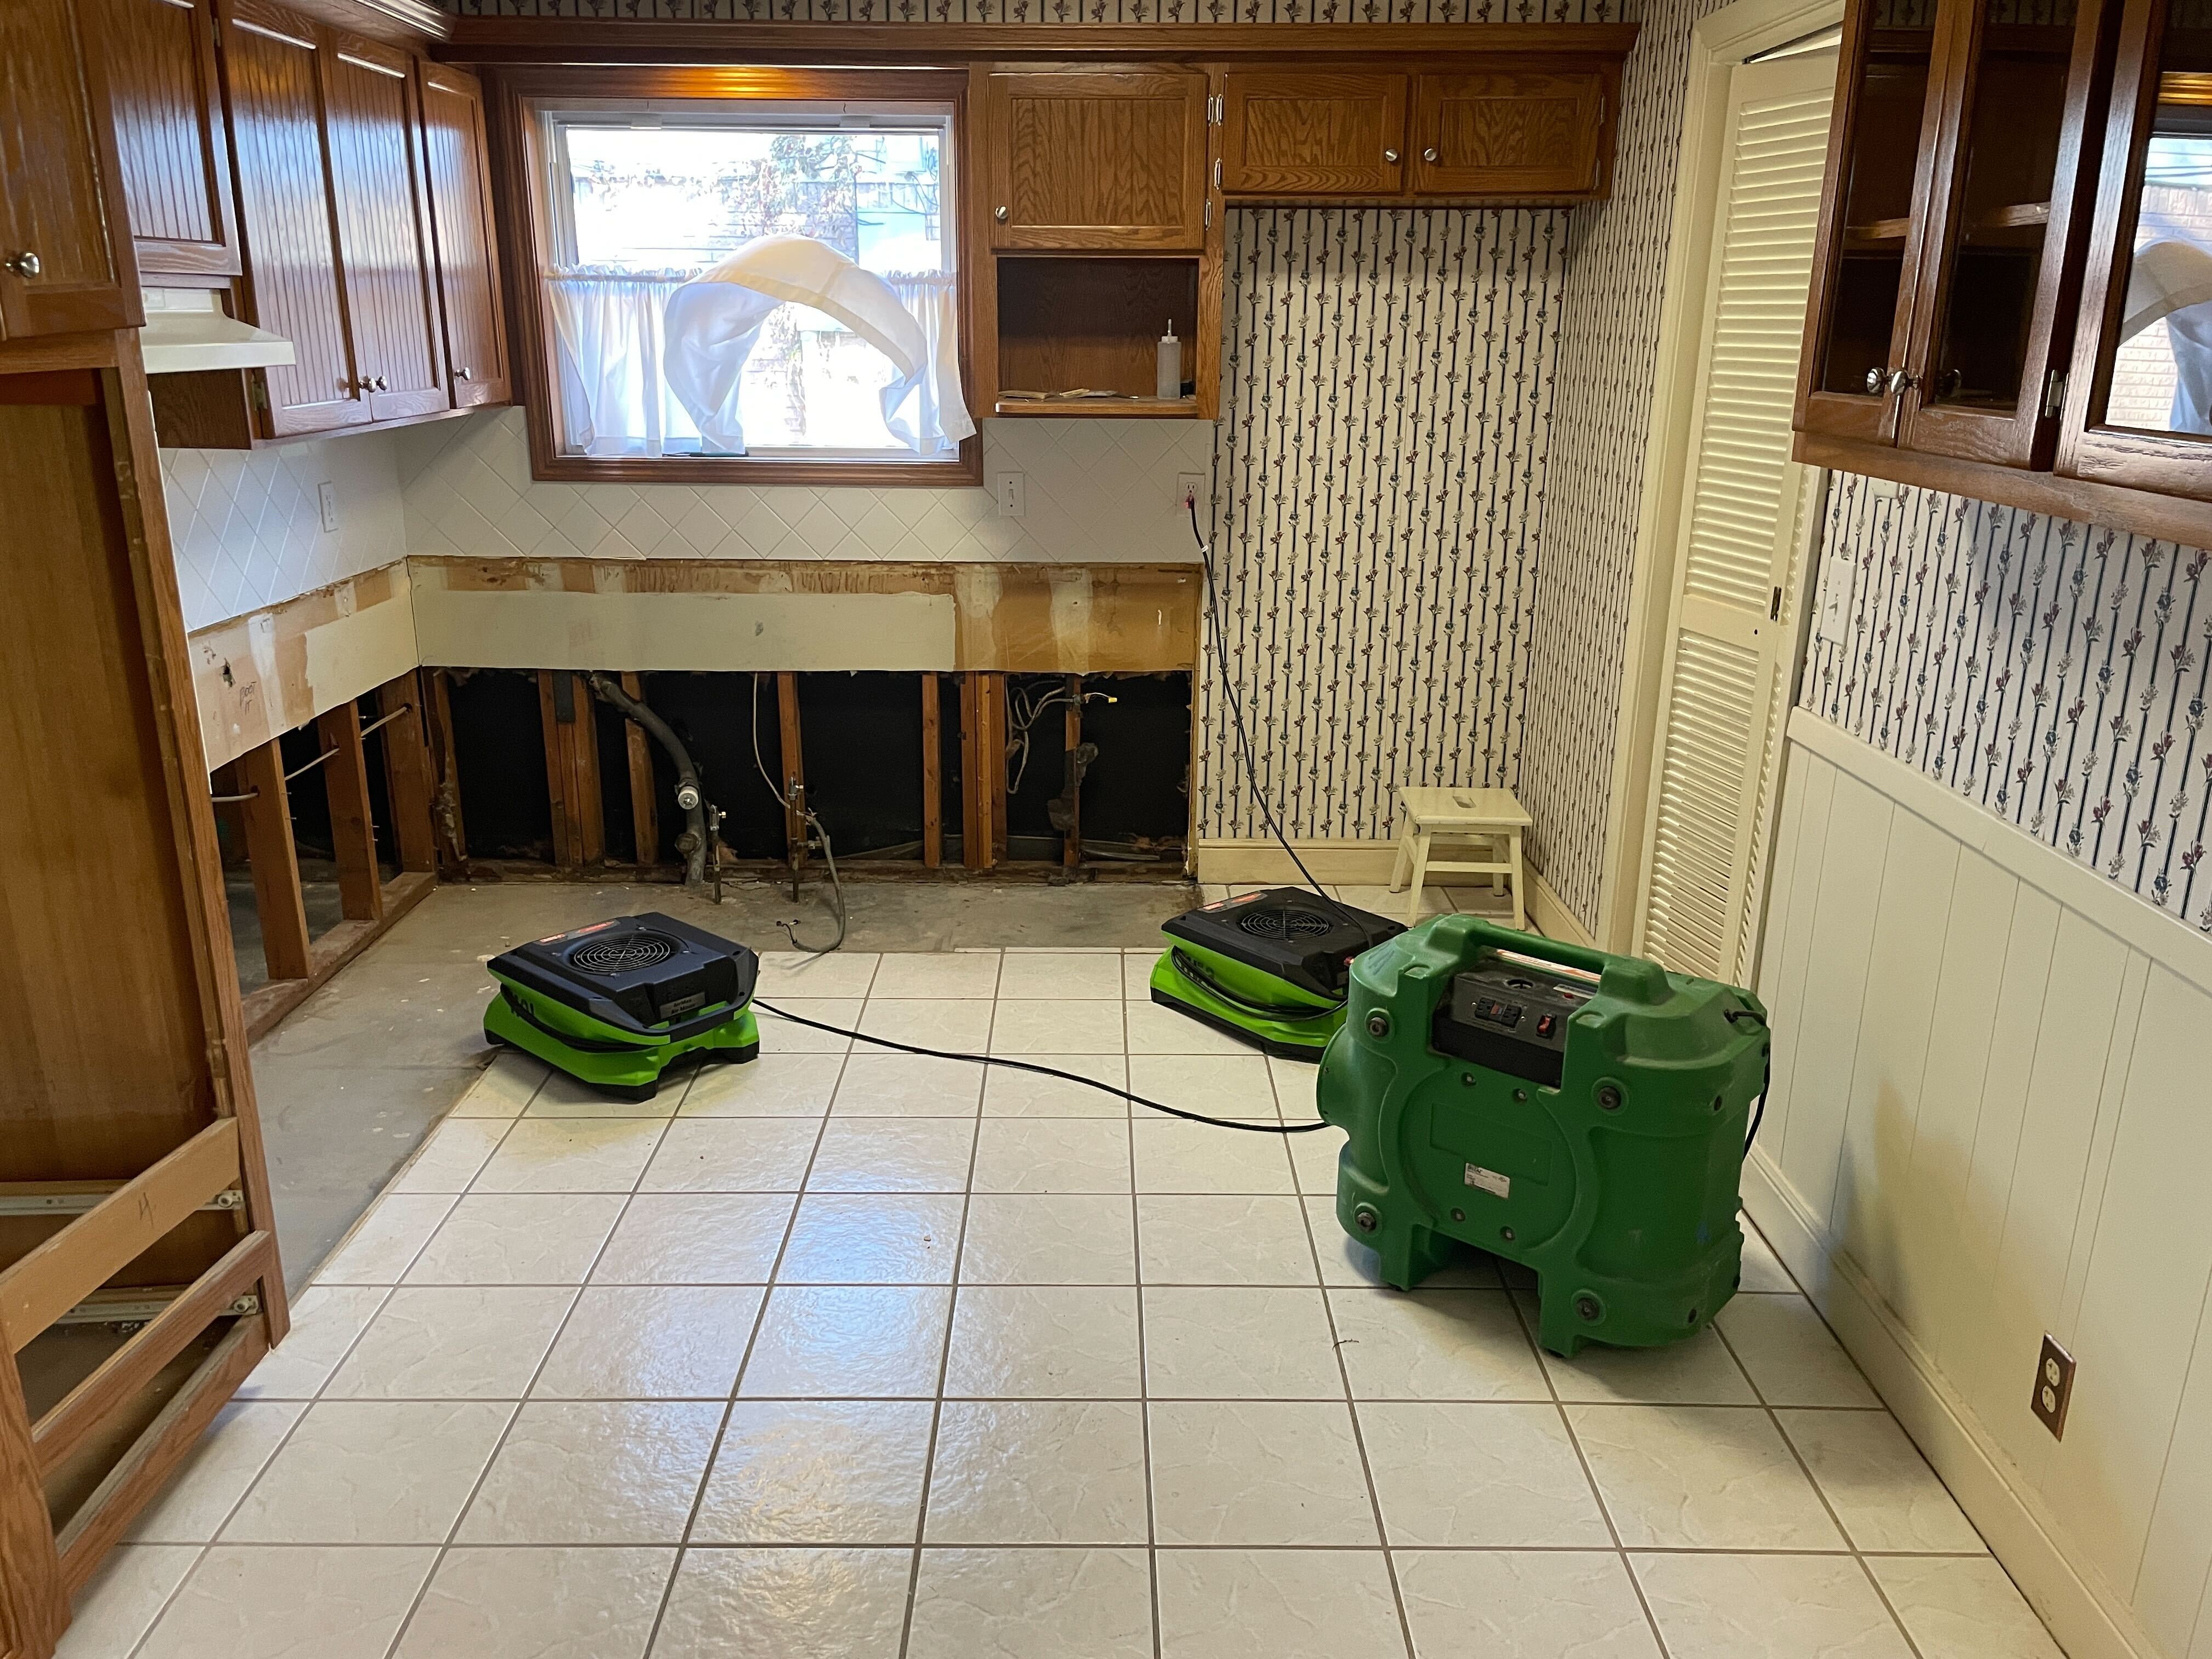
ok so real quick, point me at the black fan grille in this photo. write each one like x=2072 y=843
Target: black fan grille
x=625 y=953
x=1285 y=921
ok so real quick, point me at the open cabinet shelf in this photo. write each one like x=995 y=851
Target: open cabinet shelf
x=1069 y=322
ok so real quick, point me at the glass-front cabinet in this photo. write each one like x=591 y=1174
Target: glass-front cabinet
x=2140 y=413
x=1957 y=210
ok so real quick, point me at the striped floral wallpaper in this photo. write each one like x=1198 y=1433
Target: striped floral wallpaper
x=2054 y=673
x=1609 y=351
x=1379 y=474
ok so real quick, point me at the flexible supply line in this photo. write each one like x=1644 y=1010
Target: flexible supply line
x=1045 y=1071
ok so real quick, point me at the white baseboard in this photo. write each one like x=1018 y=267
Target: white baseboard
x=2087 y=1620
x=1245 y=861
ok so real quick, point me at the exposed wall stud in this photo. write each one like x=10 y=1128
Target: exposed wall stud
x=452 y=832
x=644 y=805
x=353 y=835
x=1071 y=849
x=932 y=783
x=268 y=815
x=407 y=776
x=558 y=778
x=793 y=765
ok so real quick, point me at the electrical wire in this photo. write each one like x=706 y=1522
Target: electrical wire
x=1046 y=1071
x=1236 y=719
x=829 y=856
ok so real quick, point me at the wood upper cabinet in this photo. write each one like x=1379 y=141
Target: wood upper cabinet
x=1519 y=132
x=465 y=249
x=1954 y=225
x=376 y=168
x=1312 y=132
x=1095 y=158
x=2139 y=399
x=172 y=136
x=272 y=65
x=65 y=263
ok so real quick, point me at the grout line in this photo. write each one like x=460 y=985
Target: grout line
x=1604 y=1509
x=752 y=1338
x=514 y=1417
x=1774 y=1421
x=944 y=1353
x=1144 y=1357
x=1350 y=1403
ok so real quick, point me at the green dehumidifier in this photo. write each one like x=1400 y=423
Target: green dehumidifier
x=1267 y=967
x=1581 y=1113
x=616 y=1004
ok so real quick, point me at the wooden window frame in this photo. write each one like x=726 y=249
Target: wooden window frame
x=510 y=91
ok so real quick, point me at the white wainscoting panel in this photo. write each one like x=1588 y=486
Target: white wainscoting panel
x=1992 y=1118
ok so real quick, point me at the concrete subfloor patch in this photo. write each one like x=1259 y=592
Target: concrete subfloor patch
x=350 y=1083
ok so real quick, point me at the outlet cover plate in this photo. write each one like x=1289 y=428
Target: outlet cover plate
x=327 y=499
x=2054 y=1387
x=1193 y=486
x=1013 y=499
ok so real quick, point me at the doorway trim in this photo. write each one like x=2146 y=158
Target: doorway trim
x=1718 y=44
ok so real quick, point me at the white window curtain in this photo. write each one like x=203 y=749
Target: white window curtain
x=615 y=398
x=655 y=359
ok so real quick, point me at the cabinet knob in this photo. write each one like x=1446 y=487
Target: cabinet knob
x=1391 y=157
x=464 y=373
x=1000 y=214
x=24 y=264
x=1430 y=154
x=380 y=386
x=1875 y=379
x=1901 y=379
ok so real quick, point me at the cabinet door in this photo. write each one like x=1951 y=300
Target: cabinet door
x=1882 y=149
x=1510 y=133
x=2139 y=405
x=383 y=216
x=466 y=259
x=271 y=67
x=1111 y=158
x=1309 y=132
x=1994 y=310
x=170 y=137
x=65 y=262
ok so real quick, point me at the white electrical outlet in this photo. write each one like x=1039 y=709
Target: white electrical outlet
x=327 y=497
x=1013 y=501
x=1191 y=487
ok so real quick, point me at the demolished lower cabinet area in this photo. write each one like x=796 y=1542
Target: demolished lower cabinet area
x=330 y=190
x=139 y=1280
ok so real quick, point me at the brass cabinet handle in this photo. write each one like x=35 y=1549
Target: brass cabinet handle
x=24 y=264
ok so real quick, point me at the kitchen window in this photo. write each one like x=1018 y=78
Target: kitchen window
x=763 y=288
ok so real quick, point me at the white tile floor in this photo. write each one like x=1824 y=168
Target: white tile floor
x=848 y=1355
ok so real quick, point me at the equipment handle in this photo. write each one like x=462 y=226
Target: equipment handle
x=1629 y=978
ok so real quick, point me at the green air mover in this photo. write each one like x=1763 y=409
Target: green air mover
x=1581 y=1113
x=616 y=1004
x=1268 y=968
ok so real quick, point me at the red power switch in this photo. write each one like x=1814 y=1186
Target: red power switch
x=1544 y=1025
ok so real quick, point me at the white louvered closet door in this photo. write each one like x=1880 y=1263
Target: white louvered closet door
x=1732 y=620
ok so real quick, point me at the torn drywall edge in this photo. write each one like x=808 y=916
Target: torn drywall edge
x=460 y=628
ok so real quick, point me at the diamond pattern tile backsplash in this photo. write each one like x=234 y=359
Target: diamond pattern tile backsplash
x=247 y=526
x=1097 y=492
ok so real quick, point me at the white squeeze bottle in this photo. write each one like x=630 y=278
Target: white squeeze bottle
x=1167 y=381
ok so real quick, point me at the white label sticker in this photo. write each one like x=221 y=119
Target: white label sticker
x=1490 y=1180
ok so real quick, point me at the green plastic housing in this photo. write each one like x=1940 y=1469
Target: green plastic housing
x=1620 y=1184
x=1302 y=1038
x=608 y=1058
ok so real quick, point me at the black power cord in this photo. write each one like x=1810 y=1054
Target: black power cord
x=1046 y=1071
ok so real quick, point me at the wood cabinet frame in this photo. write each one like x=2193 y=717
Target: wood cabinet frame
x=999 y=86
x=2171 y=464
x=218 y=254
x=518 y=182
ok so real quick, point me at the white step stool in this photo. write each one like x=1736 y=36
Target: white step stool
x=1491 y=818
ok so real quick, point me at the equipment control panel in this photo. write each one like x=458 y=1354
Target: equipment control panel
x=1511 y=1018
